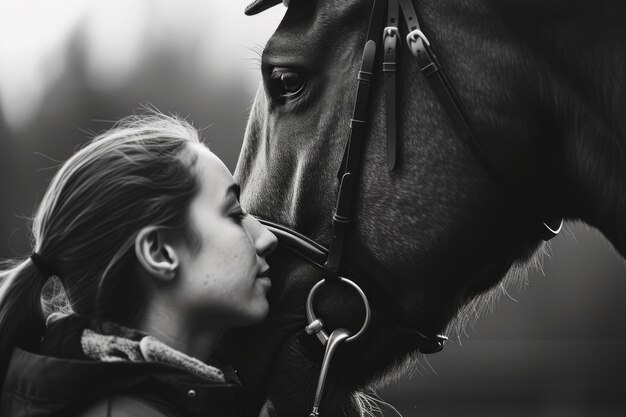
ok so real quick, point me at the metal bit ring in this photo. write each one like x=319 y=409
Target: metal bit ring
x=319 y=330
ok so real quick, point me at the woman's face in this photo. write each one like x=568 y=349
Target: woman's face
x=223 y=279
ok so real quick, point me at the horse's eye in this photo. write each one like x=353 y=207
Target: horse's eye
x=285 y=83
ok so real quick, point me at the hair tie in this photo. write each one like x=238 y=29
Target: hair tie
x=43 y=265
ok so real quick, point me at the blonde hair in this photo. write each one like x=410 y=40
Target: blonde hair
x=139 y=173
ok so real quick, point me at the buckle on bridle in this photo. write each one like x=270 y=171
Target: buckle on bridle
x=551 y=228
x=414 y=35
x=432 y=344
x=391 y=31
x=411 y=40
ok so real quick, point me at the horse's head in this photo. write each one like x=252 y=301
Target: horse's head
x=443 y=228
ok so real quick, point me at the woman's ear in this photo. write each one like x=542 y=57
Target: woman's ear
x=156 y=256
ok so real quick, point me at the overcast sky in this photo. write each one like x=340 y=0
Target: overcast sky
x=34 y=33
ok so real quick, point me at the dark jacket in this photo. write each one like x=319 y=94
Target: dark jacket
x=60 y=380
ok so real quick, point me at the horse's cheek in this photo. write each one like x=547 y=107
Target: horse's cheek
x=296 y=371
x=292 y=373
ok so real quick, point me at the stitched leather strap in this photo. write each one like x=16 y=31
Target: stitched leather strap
x=433 y=72
x=391 y=39
x=450 y=102
x=342 y=215
x=349 y=170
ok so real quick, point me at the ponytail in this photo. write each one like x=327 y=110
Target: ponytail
x=21 y=317
x=139 y=173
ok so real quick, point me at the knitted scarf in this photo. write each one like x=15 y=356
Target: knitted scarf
x=114 y=342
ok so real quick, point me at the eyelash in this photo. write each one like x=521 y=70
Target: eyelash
x=239 y=216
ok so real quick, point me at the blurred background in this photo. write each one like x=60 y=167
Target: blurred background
x=68 y=68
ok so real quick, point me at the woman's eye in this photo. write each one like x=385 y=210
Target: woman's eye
x=285 y=83
x=238 y=216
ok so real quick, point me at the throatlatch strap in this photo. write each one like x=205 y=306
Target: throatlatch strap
x=448 y=98
x=439 y=82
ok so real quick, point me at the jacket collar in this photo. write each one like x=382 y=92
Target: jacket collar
x=111 y=342
x=54 y=385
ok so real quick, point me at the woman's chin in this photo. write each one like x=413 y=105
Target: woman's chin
x=258 y=312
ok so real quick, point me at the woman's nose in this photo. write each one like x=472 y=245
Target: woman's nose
x=265 y=241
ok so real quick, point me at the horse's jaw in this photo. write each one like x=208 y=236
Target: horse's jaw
x=294 y=377
x=279 y=364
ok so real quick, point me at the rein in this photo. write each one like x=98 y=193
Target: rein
x=330 y=259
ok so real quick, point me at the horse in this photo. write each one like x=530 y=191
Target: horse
x=443 y=229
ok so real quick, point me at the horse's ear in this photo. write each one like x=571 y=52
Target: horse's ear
x=259 y=5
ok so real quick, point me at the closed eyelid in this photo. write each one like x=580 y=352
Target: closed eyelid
x=235 y=189
x=231 y=198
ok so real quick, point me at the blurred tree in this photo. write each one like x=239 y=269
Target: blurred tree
x=74 y=109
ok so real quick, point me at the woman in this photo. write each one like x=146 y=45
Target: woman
x=141 y=237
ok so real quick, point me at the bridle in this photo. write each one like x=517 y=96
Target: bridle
x=330 y=259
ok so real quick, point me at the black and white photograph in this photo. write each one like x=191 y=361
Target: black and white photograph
x=312 y=208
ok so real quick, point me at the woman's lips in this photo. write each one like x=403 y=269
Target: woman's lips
x=264 y=274
x=264 y=277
